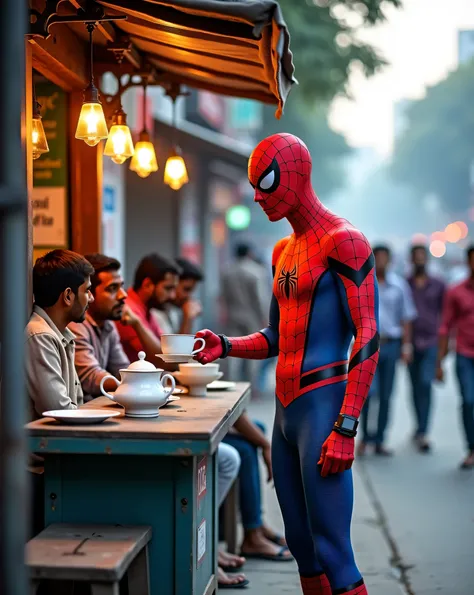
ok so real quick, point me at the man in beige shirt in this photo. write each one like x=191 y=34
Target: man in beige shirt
x=99 y=351
x=61 y=288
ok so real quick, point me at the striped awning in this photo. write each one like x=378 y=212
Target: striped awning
x=232 y=47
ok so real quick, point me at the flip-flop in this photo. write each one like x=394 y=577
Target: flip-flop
x=274 y=557
x=276 y=539
x=243 y=585
x=232 y=569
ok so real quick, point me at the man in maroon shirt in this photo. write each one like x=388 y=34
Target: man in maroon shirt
x=458 y=315
x=156 y=278
x=428 y=295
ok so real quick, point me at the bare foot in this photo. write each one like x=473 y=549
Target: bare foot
x=255 y=543
x=227 y=560
x=226 y=579
x=271 y=535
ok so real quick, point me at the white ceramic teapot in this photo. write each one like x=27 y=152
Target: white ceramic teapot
x=141 y=389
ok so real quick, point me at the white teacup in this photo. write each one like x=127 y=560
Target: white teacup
x=181 y=344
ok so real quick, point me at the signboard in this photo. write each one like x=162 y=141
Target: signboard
x=201 y=541
x=50 y=171
x=201 y=480
x=49 y=216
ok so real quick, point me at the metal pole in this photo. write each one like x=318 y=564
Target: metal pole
x=13 y=290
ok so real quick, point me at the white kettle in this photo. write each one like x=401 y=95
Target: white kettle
x=141 y=390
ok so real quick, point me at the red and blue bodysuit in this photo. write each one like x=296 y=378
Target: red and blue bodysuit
x=324 y=295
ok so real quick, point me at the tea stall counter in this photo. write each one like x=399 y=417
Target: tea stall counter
x=160 y=472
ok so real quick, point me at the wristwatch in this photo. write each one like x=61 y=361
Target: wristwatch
x=346 y=425
x=226 y=346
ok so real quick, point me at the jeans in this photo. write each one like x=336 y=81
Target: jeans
x=465 y=375
x=422 y=373
x=249 y=479
x=381 y=390
x=228 y=464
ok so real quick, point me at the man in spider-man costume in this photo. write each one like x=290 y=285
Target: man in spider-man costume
x=324 y=294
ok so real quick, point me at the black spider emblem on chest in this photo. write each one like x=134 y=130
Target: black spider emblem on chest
x=287 y=282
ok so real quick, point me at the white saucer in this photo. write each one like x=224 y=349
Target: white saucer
x=175 y=358
x=171 y=400
x=81 y=416
x=221 y=385
x=179 y=390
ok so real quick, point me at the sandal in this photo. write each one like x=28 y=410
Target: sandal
x=280 y=557
x=242 y=585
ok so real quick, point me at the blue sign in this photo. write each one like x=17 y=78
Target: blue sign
x=108 y=199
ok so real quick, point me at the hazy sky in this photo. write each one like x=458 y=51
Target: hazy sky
x=420 y=42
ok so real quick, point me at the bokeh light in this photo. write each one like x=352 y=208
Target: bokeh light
x=419 y=238
x=438 y=248
x=438 y=236
x=463 y=228
x=453 y=233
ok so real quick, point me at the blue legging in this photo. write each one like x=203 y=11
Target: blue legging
x=316 y=511
x=250 y=497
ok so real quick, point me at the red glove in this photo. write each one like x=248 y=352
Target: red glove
x=337 y=454
x=212 y=350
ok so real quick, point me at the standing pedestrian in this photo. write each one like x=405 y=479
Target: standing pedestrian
x=458 y=316
x=396 y=314
x=428 y=295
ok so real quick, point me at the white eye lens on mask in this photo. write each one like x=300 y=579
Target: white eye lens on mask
x=267 y=181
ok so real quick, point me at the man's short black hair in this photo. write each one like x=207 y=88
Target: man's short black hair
x=382 y=248
x=470 y=251
x=154 y=267
x=416 y=247
x=242 y=250
x=101 y=264
x=54 y=272
x=189 y=270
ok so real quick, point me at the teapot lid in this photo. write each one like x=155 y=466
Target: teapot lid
x=141 y=365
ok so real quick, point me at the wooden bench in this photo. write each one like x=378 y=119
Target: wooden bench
x=98 y=554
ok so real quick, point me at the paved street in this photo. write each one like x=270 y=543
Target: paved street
x=413 y=528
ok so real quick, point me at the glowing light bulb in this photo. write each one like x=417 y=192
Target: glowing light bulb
x=119 y=146
x=176 y=174
x=91 y=126
x=38 y=138
x=144 y=161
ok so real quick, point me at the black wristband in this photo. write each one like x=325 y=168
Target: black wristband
x=226 y=346
x=346 y=425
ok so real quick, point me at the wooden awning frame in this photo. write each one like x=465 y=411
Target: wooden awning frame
x=240 y=49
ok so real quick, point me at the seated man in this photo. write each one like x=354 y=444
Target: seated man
x=61 y=288
x=178 y=315
x=155 y=283
x=61 y=282
x=99 y=351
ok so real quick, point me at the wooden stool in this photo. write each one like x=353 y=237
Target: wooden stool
x=97 y=554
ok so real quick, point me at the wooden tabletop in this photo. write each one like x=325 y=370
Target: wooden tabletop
x=189 y=426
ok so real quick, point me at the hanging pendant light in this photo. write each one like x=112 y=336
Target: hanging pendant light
x=144 y=159
x=119 y=145
x=38 y=136
x=91 y=126
x=176 y=174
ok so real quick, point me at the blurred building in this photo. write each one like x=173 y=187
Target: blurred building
x=465 y=46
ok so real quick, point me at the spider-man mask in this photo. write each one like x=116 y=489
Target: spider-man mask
x=279 y=170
